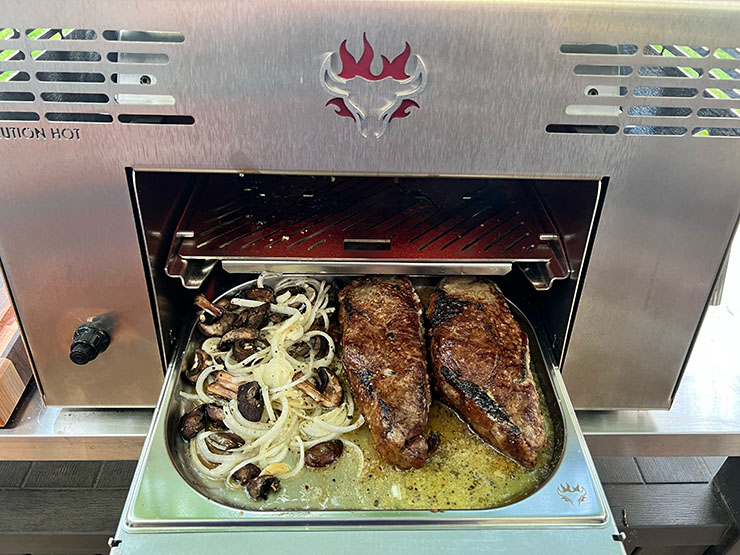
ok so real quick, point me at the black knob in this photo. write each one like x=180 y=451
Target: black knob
x=90 y=340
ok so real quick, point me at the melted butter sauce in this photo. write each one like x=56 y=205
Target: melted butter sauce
x=464 y=473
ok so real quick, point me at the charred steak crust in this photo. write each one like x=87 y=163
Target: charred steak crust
x=385 y=363
x=480 y=366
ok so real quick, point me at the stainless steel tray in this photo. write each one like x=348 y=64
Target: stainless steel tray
x=164 y=494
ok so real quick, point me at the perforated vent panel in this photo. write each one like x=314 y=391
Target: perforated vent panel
x=87 y=76
x=652 y=90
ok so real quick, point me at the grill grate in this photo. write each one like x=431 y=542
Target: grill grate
x=388 y=225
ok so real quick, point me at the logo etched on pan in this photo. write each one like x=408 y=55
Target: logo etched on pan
x=372 y=100
x=575 y=495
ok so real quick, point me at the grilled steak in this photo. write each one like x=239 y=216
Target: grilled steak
x=385 y=363
x=480 y=366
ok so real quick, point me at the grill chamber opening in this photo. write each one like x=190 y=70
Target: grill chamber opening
x=356 y=225
x=207 y=232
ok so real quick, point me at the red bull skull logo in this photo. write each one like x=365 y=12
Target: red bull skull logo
x=372 y=100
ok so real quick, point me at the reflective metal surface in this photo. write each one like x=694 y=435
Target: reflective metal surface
x=36 y=432
x=248 y=75
x=705 y=416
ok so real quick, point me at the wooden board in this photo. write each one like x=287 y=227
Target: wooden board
x=15 y=369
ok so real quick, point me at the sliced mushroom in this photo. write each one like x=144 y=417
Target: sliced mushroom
x=218 y=326
x=224 y=441
x=277 y=317
x=250 y=401
x=299 y=349
x=208 y=307
x=320 y=346
x=223 y=386
x=215 y=413
x=330 y=395
x=264 y=294
x=199 y=364
x=246 y=473
x=293 y=290
x=226 y=304
x=237 y=334
x=325 y=453
x=243 y=349
x=254 y=317
x=261 y=486
x=193 y=422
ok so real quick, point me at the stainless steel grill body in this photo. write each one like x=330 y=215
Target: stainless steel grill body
x=244 y=89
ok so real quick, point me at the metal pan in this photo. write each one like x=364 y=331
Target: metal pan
x=168 y=492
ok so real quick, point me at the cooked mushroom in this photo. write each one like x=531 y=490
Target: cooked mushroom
x=223 y=385
x=243 y=349
x=325 y=453
x=250 y=402
x=246 y=473
x=264 y=294
x=277 y=317
x=293 y=290
x=226 y=304
x=320 y=346
x=237 y=334
x=329 y=392
x=199 y=364
x=253 y=317
x=261 y=486
x=215 y=413
x=300 y=349
x=218 y=326
x=208 y=306
x=193 y=422
x=224 y=441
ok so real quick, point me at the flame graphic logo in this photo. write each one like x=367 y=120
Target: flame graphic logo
x=575 y=495
x=372 y=100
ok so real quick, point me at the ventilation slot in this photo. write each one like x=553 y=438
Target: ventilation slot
x=154 y=119
x=16 y=97
x=8 y=33
x=19 y=116
x=78 y=117
x=143 y=36
x=559 y=128
x=659 y=111
x=727 y=132
x=670 y=71
x=69 y=77
x=676 y=51
x=718 y=113
x=61 y=34
x=11 y=56
x=7 y=76
x=677 y=92
x=725 y=53
x=65 y=56
x=605 y=90
x=722 y=94
x=144 y=79
x=601 y=70
x=599 y=49
x=137 y=58
x=727 y=73
x=591 y=110
x=145 y=99
x=654 y=130
x=96 y=98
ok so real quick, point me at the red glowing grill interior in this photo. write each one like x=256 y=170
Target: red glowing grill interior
x=310 y=219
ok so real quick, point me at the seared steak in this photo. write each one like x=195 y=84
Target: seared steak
x=385 y=363
x=480 y=366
